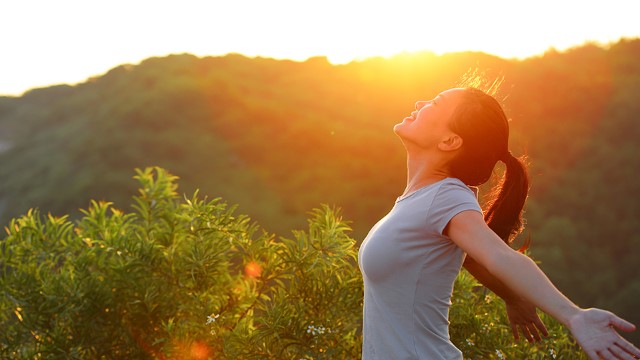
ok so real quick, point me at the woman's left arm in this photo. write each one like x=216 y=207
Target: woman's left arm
x=592 y=328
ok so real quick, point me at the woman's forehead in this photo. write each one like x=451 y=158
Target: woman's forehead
x=451 y=95
x=452 y=92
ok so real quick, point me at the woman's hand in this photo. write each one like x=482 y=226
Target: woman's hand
x=595 y=331
x=522 y=315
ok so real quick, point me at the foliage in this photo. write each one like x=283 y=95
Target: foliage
x=188 y=279
x=279 y=137
x=479 y=328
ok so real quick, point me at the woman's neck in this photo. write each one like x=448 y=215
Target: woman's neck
x=423 y=170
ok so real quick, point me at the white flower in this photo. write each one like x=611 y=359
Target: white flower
x=470 y=343
x=313 y=330
x=500 y=354
x=212 y=318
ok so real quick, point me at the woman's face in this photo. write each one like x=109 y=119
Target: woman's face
x=429 y=123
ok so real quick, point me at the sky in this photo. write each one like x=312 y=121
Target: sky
x=44 y=42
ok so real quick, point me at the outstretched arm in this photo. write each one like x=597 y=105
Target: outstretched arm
x=521 y=313
x=593 y=329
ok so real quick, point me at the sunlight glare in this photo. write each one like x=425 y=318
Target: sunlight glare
x=68 y=41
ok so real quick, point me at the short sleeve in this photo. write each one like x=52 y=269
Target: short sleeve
x=452 y=197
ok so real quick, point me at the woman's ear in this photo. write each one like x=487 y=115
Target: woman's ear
x=450 y=142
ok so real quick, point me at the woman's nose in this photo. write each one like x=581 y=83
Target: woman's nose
x=420 y=104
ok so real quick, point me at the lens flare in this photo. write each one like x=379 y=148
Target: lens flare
x=199 y=351
x=253 y=269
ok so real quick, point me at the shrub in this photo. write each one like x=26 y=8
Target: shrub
x=186 y=278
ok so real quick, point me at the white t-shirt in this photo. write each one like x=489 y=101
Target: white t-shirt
x=409 y=268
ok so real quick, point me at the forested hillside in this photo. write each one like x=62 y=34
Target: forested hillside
x=281 y=137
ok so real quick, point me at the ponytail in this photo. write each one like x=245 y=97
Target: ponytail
x=504 y=212
x=484 y=128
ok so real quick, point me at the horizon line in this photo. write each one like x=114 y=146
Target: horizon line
x=333 y=62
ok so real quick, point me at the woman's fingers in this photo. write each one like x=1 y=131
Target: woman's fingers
x=623 y=348
x=541 y=328
x=620 y=353
x=628 y=347
x=534 y=332
x=514 y=330
x=531 y=332
x=525 y=333
x=617 y=350
x=622 y=324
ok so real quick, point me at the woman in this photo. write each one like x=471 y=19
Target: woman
x=412 y=256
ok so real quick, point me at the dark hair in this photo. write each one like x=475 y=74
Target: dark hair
x=484 y=128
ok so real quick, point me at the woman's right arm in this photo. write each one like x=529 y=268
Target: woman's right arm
x=592 y=328
x=521 y=313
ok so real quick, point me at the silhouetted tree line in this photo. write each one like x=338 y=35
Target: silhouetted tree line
x=281 y=137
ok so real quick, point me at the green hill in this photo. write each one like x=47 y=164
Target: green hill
x=281 y=137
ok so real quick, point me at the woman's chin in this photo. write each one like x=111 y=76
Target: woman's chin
x=400 y=128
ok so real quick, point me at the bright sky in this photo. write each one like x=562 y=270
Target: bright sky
x=47 y=42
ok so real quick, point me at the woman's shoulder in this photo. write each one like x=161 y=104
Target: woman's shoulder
x=457 y=184
x=456 y=189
